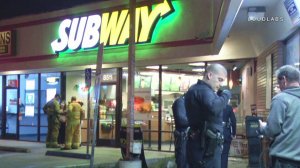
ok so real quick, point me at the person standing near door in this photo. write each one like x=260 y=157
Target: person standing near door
x=53 y=111
x=75 y=112
x=282 y=125
x=229 y=125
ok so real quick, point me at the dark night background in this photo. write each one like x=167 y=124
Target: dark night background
x=13 y=8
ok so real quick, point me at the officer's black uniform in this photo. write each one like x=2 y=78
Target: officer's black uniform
x=203 y=105
x=229 y=122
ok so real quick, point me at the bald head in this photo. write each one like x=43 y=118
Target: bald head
x=216 y=68
x=215 y=75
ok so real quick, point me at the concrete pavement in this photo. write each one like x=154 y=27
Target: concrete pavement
x=32 y=155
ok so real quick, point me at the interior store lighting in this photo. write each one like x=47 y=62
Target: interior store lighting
x=52 y=80
x=230 y=84
x=147 y=73
x=234 y=68
x=198 y=69
x=197 y=64
x=256 y=13
x=156 y=67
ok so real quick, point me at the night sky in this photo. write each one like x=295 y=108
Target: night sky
x=13 y=8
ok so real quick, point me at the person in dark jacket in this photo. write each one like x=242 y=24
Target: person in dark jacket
x=204 y=104
x=229 y=123
x=181 y=132
x=283 y=124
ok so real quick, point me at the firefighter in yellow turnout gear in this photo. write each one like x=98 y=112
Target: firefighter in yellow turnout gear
x=52 y=109
x=75 y=112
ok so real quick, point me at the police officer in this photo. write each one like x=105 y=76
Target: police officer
x=204 y=108
x=229 y=123
x=53 y=110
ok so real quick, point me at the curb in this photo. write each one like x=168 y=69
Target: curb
x=15 y=149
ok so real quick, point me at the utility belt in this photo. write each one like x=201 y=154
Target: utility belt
x=209 y=139
x=226 y=124
x=218 y=137
x=182 y=133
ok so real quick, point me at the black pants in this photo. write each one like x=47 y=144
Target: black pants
x=180 y=149
x=225 y=154
x=62 y=133
x=196 y=156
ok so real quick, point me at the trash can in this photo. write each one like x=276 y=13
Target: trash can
x=138 y=146
x=254 y=141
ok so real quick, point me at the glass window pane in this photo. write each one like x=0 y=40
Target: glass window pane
x=50 y=85
x=145 y=104
x=1 y=106
x=176 y=79
x=12 y=81
x=292 y=51
x=28 y=117
x=75 y=86
x=12 y=84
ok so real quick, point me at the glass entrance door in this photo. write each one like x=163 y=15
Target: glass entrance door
x=107 y=115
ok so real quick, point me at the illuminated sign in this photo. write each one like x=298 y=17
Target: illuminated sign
x=6 y=42
x=112 y=28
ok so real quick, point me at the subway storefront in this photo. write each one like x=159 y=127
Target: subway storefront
x=51 y=52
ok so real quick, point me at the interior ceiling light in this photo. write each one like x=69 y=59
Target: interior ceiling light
x=52 y=80
x=156 y=67
x=147 y=73
x=198 y=69
x=197 y=64
x=256 y=13
x=234 y=68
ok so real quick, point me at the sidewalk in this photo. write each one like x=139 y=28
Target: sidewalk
x=32 y=155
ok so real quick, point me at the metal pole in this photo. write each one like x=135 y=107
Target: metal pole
x=131 y=72
x=97 y=96
x=88 y=122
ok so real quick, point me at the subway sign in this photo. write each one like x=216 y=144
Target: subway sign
x=111 y=28
x=6 y=43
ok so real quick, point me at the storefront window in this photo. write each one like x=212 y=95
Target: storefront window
x=50 y=85
x=75 y=86
x=175 y=82
x=28 y=117
x=12 y=84
x=1 y=106
x=145 y=103
x=293 y=50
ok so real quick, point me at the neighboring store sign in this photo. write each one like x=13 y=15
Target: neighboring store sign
x=292 y=8
x=111 y=29
x=6 y=43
